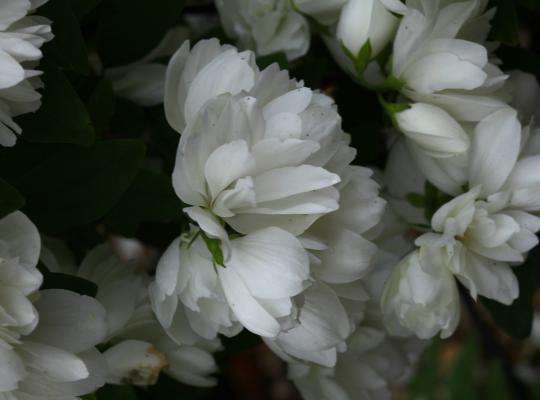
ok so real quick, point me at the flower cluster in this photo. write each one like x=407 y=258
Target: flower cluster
x=280 y=241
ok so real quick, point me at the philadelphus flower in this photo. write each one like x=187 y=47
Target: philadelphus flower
x=139 y=348
x=21 y=37
x=421 y=297
x=477 y=236
x=264 y=157
x=265 y=26
x=55 y=358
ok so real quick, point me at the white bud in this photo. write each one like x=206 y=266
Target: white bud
x=433 y=130
x=363 y=20
x=134 y=362
x=421 y=296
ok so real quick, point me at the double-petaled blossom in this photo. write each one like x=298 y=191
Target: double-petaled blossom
x=477 y=236
x=21 y=37
x=47 y=337
x=264 y=166
x=265 y=26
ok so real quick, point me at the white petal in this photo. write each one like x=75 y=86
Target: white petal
x=248 y=311
x=226 y=164
x=69 y=321
x=11 y=369
x=134 y=362
x=442 y=71
x=271 y=262
x=433 y=130
x=174 y=100
x=287 y=181
x=57 y=364
x=495 y=148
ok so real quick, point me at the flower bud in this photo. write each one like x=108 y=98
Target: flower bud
x=433 y=130
x=363 y=20
x=421 y=297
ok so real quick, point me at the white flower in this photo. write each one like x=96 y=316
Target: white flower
x=363 y=21
x=19 y=278
x=274 y=136
x=134 y=361
x=143 y=81
x=372 y=362
x=265 y=26
x=58 y=359
x=433 y=130
x=255 y=286
x=141 y=349
x=421 y=297
x=429 y=56
x=440 y=55
x=21 y=37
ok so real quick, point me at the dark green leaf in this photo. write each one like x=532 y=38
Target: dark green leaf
x=279 y=58
x=497 y=386
x=129 y=29
x=83 y=7
x=55 y=280
x=461 y=380
x=415 y=199
x=505 y=23
x=516 y=319
x=424 y=383
x=67 y=49
x=150 y=198
x=101 y=106
x=62 y=117
x=79 y=185
x=519 y=58
x=10 y=199
x=116 y=392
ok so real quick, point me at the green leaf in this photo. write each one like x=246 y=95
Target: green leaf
x=505 y=22
x=129 y=29
x=279 y=58
x=214 y=247
x=62 y=117
x=56 y=280
x=78 y=185
x=496 y=383
x=10 y=199
x=116 y=392
x=516 y=319
x=67 y=49
x=83 y=7
x=424 y=383
x=415 y=199
x=101 y=106
x=461 y=380
x=150 y=198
